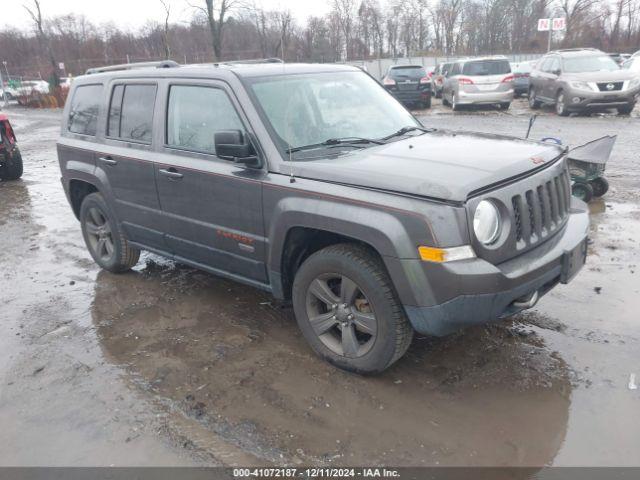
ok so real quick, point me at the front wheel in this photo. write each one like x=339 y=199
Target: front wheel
x=600 y=186
x=583 y=191
x=11 y=167
x=455 y=106
x=103 y=237
x=627 y=109
x=348 y=311
x=561 y=106
x=505 y=105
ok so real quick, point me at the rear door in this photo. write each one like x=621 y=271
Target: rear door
x=212 y=207
x=126 y=161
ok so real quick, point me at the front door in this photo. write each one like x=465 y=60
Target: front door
x=212 y=207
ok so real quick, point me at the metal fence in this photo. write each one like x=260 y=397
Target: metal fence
x=377 y=68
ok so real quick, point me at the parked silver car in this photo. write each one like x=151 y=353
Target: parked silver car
x=476 y=81
x=582 y=79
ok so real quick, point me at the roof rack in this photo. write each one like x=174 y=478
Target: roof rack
x=133 y=66
x=568 y=50
x=250 y=61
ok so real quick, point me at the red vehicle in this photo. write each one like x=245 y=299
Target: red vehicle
x=10 y=158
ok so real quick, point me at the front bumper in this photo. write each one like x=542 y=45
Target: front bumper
x=479 y=98
x=580 y=100
x=473 y=292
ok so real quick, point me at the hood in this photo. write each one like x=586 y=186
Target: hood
x=443 y=165
x=613 y=76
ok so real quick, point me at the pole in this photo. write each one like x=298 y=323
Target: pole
x=550 y=34
x=4 y=94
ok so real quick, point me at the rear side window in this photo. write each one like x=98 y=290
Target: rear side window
x=131 y=112
x=486 y=67
x=195 y=113
x=83 y=114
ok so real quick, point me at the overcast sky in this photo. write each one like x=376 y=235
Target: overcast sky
x=135 y=13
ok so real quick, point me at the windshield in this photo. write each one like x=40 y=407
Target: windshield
x=486 y=67
x=410 y=72
x=312 y=108
x=590 y=64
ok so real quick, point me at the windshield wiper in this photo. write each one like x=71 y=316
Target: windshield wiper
x=330 y=142
x=405 y=130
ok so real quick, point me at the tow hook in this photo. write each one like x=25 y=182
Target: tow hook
x=524 y=302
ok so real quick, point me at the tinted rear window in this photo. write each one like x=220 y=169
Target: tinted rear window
x=411 y=72
x=83 y=114
x=131 y=112
x=486 y=67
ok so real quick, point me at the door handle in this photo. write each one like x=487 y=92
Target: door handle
x=108 y=160
x=171 y=172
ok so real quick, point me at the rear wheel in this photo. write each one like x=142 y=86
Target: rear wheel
x=348 y=311
x=561 y=106
x=103 y=237
x=533 y=103
x=505 y=105
x=427 y=103
x=454 y=103
x=11 y=167
x=600 y=186
x=582 y=190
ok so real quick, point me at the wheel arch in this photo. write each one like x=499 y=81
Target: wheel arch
x=78 y=190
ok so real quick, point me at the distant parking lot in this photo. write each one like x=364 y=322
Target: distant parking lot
x=169 y=365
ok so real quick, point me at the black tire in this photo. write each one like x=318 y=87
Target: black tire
x=600 y=186
x=627 y=109
x=11 y=167
x=427 y=104
x=505 y=105
x=438 y=93
x=103 y=236
x=583 y=191
x=533 y=103
x=561 y=105
x=356 y=269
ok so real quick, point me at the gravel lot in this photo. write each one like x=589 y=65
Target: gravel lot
x=171 y=366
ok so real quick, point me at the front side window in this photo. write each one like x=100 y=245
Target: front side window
x=83 y=113
x=312 y=108
x=591 y=63
x=195 y=114
x=131 y=112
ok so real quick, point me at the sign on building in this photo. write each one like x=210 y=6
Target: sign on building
x=559 y=23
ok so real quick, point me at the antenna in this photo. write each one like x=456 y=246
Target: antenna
x=292 y=179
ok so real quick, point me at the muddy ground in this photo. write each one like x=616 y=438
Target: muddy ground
x=171 y=366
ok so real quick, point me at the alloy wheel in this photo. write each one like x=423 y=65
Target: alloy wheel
x=99 y=234
x=560 y=104
x=341 y=315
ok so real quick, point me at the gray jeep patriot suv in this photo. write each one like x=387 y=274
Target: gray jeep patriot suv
x=313 y=183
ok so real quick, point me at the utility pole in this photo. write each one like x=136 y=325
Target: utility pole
x=4 y=94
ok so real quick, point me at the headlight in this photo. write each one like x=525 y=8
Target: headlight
x=581 y=86
x=486 y=222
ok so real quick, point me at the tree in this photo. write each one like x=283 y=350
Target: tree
x=165 y=34
x=36 y=15
x=216 y=12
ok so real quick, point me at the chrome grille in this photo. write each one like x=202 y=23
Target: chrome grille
x=610 y=86
x=540 y=211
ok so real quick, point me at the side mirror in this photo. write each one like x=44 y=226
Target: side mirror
x=557 y=72
x=234 y=145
